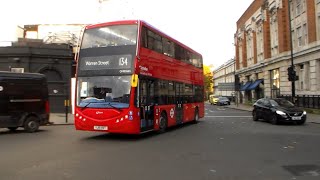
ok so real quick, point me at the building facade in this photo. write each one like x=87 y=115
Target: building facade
x=52 y=60
x=223 y=79
x=47 y=49
x=266 y=47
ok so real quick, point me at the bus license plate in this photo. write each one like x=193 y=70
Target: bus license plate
x=101 y=128
x=296 y=118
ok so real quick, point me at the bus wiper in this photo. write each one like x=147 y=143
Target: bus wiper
x=109 y=103
x=86 y=105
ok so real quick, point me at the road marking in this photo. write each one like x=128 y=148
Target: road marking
x=229 y=116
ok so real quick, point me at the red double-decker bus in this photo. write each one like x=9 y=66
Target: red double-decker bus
x=132 y=78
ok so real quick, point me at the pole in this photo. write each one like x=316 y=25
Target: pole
x=66 y=104
x=293 y=93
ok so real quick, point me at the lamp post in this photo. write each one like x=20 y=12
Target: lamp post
x=293 y=93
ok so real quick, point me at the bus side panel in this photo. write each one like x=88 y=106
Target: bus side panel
x=201 y=109
x=169 y=111
x=190 y=109
x=188 y=112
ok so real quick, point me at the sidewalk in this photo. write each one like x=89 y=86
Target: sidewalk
x=311 y=118
x=60 y=119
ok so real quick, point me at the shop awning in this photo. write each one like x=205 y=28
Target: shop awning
x=254 y=85
x=244 y=87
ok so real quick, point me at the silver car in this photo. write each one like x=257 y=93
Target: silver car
x=223 y=101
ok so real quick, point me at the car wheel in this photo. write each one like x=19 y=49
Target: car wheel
x=274 y=120
x=163 y=121
x=31 y=124
x=12 y=128
x=254 y=116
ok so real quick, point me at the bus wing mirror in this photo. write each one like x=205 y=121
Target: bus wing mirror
x=134 y=80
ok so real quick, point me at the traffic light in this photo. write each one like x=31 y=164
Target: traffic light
x=292 y=74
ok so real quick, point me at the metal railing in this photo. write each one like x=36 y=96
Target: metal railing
x=306 y=101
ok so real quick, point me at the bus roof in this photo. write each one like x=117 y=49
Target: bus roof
x=143 y=23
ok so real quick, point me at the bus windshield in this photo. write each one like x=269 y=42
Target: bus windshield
x=108 y=50
x=104 y=91
x=117 y=35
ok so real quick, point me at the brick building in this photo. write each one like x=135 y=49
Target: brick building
x=263 y=48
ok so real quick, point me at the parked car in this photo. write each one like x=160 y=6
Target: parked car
x=223 y=101
x=213 y=99
x=278 y=110
x=24 y=101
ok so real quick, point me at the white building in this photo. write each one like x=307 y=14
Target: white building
x=224 y=79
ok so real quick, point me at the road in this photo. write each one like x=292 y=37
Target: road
x=226 y=144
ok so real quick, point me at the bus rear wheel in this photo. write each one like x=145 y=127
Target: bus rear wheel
x=163 y=122
x=196 y=116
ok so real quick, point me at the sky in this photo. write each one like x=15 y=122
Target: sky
x=206 y=26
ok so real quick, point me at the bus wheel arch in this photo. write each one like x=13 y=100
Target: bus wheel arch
x=163 y=122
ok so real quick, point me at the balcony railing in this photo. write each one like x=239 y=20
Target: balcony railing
x=306 y=101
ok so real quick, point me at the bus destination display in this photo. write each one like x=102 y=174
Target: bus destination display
x=106 y=62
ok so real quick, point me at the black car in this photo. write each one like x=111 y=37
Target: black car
x=278 y=110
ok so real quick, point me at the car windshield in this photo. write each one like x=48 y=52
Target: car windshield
x=281 y=103
x=104 y=91
x=223 y=98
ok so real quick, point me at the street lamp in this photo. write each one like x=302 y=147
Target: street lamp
x=291 y=71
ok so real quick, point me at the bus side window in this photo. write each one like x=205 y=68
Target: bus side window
x=151 y=43
x=158 y=43
x=168 y=47
x=144 y=37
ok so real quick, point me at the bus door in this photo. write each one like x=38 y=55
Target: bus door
x=179 y=103
x=146 y=94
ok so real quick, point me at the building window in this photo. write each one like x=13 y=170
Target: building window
x=301 y=74
x=240 y=55
x=299 y=7
x=318 y=26
x=304 y=76
x=318 y=74
x=275 y=83
x=305 y=34
x=249 y=49
x=299 y=36
x=274 y=34
x=259 y=44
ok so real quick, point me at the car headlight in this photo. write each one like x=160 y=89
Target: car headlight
x=304 y=113
x=281 y=113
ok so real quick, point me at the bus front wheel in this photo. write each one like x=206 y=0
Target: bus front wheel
x=163 y=122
